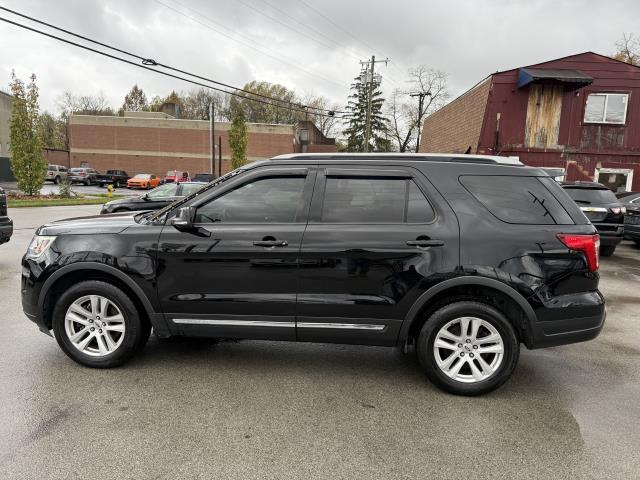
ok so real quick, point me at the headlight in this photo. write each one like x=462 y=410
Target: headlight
x=38 y=246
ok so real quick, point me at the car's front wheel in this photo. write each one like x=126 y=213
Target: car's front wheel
x=468 y=348
x=56 y=180
x=97 y=325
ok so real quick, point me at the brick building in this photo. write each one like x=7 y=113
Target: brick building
x=155 y=142
x=580 y=114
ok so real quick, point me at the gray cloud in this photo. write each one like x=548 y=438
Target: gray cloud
x=234 y=43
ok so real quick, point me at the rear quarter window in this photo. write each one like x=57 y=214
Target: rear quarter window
x=517 y=199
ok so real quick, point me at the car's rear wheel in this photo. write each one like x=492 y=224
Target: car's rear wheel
x=637 y=242
x=116 y=184
x=468 y=348
x=607 y=251
x=97 y=325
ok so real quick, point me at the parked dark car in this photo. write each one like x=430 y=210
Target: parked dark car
x=6 y=224
x=117 y=178
x=632 y=223
x=56 y=173
x=157 y=198
x=85 y=175
x=204 y=177
x=463 y=257
x=603 y=209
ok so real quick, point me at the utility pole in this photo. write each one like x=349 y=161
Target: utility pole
x=213 y=138
x=420 y=96
x=369 y=81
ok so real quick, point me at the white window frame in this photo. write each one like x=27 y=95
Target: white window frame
x=627 y=171
x=606 y=96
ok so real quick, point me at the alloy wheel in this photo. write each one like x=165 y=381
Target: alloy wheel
x=94 y=325
x=468 y=349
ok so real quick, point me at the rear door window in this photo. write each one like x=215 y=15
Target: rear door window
x=374 y=200
x=516 y=199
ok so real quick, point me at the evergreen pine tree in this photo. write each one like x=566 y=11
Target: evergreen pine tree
x=357 y=117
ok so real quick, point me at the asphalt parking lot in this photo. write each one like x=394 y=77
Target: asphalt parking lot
x=199 y=409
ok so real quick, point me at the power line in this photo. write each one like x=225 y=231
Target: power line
x=151 y=62
x=259 y=50
x=341 y=28
x=289 y=26
x=146 y=67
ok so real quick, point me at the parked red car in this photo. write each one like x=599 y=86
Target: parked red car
x=177 y=176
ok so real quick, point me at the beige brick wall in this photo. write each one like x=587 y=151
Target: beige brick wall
x=456 y=126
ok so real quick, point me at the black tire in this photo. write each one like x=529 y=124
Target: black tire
x=136 y=332
x=426 y=353
x=116 y=184
x=56 y=180
x=637 y=242
x=607 y=251
x=148 y=186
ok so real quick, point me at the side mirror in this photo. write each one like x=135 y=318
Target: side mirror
x=183 y=221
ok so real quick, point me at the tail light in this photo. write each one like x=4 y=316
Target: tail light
x=618 y=210
x=587 y=244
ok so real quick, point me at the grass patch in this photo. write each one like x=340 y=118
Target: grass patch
x=56 y=201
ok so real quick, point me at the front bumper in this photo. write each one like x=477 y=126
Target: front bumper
x=6 y=230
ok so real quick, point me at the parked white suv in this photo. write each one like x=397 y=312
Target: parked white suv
x=55 y=173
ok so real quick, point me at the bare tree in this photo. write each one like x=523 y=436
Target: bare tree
x=69 y=103
x=628 y=49
x=320 y=116
x=427 y=93
x=402 y=120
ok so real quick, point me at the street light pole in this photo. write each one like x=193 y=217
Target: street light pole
x=420 y=96
x=213 y=138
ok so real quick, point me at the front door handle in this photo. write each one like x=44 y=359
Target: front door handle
x=271 y=243
x=425 y=243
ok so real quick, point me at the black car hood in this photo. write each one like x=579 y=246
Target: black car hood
x=95 y=224
x=127 y=201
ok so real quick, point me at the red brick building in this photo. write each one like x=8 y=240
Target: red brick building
x=154 y=142
x=579 y=113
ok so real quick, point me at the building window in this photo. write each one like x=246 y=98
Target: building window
x=606 y=108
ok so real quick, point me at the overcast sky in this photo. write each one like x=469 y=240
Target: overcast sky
x=312 y=46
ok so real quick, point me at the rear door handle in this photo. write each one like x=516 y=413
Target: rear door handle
x=425 y=243
x=271 y=243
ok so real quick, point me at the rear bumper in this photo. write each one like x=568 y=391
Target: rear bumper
x=6 y=230
x=610 y=233
x=569 y=319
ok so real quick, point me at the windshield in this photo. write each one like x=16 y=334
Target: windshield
x=190 y=188
x=76 y=170
x=166 y=190
x=589 y=196
x=170 y=173
x=143 y=176
x=200 y=191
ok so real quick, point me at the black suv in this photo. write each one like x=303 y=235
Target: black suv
x=464 y=258
x=6 y=225
x=605 y=211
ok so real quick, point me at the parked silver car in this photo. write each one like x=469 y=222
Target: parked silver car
x=55 y=173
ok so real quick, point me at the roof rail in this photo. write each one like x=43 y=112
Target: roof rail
x=433 y=157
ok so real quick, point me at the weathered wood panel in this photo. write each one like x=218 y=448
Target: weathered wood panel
x=543 y=115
